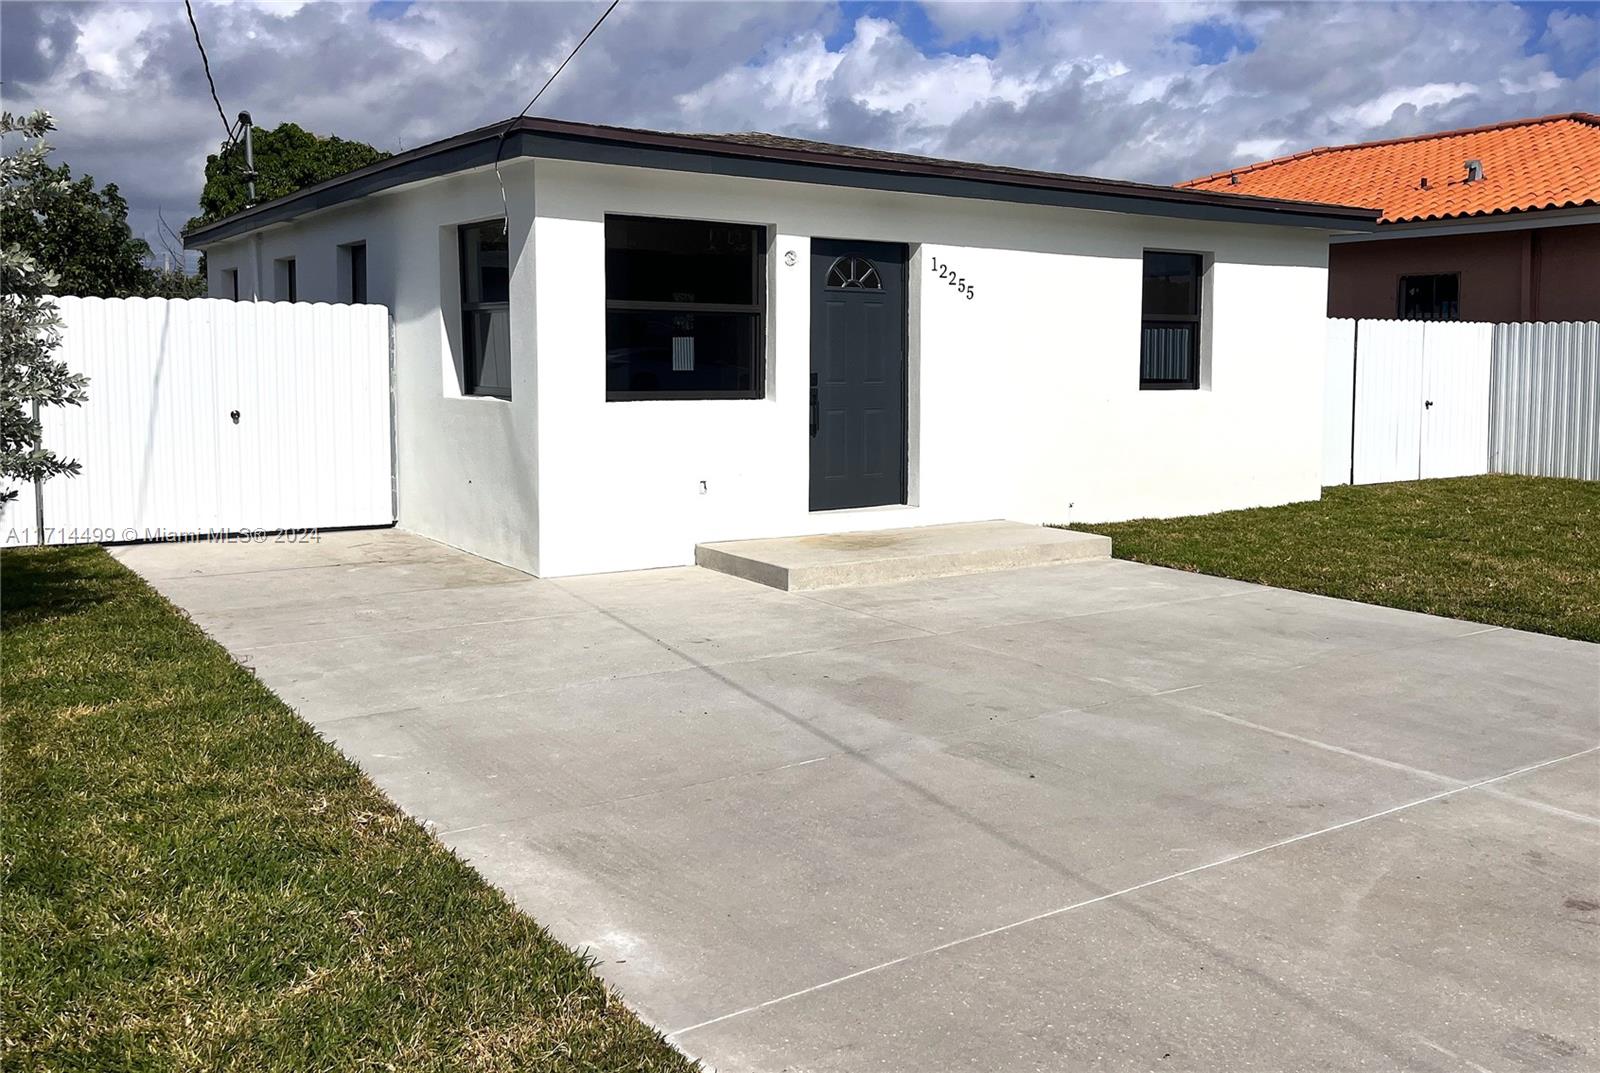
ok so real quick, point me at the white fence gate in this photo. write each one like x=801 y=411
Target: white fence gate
x=1455 y=400
x=208 y=416
x=1412 y=399
x=1388 y=403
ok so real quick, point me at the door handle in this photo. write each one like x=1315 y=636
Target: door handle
x=816 y=411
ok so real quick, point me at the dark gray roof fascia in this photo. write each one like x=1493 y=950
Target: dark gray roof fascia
x=785 y=160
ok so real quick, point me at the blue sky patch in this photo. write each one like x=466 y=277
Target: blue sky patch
x=914 y=24
x=1566 y=63
x=1215 y=40
x=388 y=10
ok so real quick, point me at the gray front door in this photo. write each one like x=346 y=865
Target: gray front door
x=858 y=374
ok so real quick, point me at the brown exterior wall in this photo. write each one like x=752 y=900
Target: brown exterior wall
x=1569 y=273
x=1536 y=274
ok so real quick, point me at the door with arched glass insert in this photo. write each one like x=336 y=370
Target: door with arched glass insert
x=858 y=378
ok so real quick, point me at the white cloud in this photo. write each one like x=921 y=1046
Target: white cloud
x=1258 y=149
x=1572 y=33
x=878 y=70
x=794 y=82
x=1114 y=90
x=1381 y=109
x=1539 y=81
x=108 y=40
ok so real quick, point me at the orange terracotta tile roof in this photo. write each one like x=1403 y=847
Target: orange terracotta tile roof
x=1550 y=162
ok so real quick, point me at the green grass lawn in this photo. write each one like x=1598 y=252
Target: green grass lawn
x=194 y=880
x=1510 y=551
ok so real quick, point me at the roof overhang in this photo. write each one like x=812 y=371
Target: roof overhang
x=1522 y=220
x=557 y=140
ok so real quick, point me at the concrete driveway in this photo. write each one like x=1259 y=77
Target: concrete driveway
x=1089 y=817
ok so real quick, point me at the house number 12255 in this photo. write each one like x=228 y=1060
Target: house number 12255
x=948 y=274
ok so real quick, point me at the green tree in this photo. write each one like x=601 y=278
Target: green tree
x=81 y=234
x=287 y=158
x=30 y=329
x=175 y=283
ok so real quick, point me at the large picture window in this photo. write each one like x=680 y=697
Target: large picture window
x=1436 y=297
x=1169 y=333
x=685 y=309
x=485 y=310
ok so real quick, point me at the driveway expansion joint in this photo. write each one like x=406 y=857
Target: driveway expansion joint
x=1133 y=889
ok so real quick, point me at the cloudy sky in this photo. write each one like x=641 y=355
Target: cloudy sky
x=1147 y=91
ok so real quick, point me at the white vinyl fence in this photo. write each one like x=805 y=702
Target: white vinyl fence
x=1406 y=400
x=1546 y=400
x=1338 y=400
x=208 y=416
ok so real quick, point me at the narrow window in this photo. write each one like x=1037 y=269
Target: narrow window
x=283 y=280
x=1436 y=297
x=355 y=283
x=230 y=284
x=1169 y=336
x=486 y=310
x=685 y=309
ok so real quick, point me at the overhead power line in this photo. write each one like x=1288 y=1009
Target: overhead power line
x=499 y=145
x=227 y=128
x=562 y=66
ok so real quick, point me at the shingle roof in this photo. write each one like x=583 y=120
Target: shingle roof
x=762 y=140
x=1549 y=162
x=771 y=156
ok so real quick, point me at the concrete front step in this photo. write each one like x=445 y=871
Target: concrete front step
x=833 y=560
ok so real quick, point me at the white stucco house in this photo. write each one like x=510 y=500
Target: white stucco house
x=666 y=339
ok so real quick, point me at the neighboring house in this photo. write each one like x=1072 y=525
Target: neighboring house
x=1496 y=223
x=669 y=339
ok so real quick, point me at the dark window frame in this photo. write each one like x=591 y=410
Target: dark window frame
x=1453 y=314
x=756 y=309
x=471 y=366
x=288 y=277
x=1195 y=319
x=356 y=256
